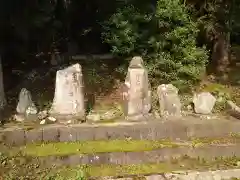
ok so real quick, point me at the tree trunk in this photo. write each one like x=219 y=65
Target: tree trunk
x=221 y=54
x=2 y=94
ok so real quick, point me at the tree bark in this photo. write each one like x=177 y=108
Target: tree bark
x=221 y=54
x=2 y=94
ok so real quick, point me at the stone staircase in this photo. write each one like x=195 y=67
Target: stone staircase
x=193 y=148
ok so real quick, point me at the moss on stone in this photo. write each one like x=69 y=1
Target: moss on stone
x=182 y=163
x=21 y=167
x=196 y=142
x=88 y=147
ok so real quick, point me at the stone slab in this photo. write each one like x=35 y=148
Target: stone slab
x=183 y=175
x=15 y=137
x=84 y=133
x=67 y=134
x=154 y=156
x=34 y=136
x=152 y=130
x=50 y=134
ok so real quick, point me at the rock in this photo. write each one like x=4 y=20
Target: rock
x=43 y=122
x=31 y=110
x=189 y=107
x=157 y=115
x=69 y=96
x=169 y=101
x=111 y=114
x=25 y=103
x=203 y=103
x=136 y=94
x=48 y=120
x=94 y=117
x=42 y=115
x=19 y=117
x=52 y=119
x=238 y=163
x=234 y=109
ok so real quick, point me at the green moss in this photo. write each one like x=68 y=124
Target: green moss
x=21 y=167
x=114 y=170
x=183 y=163
x=213 y=87
x=107 y=121
x=213 y=141
x=235 y=135
x=87 y=147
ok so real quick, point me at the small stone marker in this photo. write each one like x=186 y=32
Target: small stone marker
x=203 y=102
x=55 y=58
x=169 y=101
x=69 y=96
x=25 y=103
x=136 y=95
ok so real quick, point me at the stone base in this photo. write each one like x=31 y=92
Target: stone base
x=185 y=129
x=139 y=117
x=69 y=119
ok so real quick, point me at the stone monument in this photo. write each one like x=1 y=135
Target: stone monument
x=203 y=103
x=68 y=102
x=26 y=108
x=136 y=94
x=169 y=101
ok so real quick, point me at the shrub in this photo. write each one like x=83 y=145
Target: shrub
x=165 y=37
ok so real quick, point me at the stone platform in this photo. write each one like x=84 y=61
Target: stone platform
x=150 y=130
x=208 y=152
x=185 y=175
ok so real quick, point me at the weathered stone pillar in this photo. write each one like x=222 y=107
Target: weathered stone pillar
x=137 y=95
x=68 y=103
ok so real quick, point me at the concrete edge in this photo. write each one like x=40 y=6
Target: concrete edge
x=173 y=130
x=186 y=175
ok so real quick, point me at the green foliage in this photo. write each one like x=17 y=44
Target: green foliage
x=80 y=175
x=166 y=38
x=123 y=30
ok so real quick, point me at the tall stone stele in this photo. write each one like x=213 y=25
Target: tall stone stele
x=137 y=93
x=68 y=102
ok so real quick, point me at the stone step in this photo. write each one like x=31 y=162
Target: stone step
x=208 y=152
x=151 y=130
x=228 y=174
